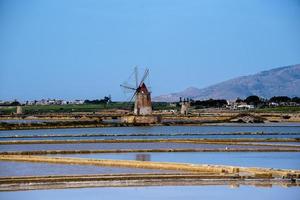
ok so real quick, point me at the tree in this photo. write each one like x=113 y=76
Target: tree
x=211 y=103
x=238 y=100
x=296 y=99
x=105 y=100
x=279 y=99
x=253 y=100
x=15 y=103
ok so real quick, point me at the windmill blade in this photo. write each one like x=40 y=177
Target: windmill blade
x=133 y=96
x=144 y=77
x=136 y=73
x=127 y=87
x=129 y=102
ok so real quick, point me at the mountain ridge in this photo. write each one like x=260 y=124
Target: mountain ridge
x=281 y=81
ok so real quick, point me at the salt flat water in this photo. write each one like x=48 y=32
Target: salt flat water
x=120 y=146
x=162 y=192
x=282 y=128
x=10 y=168
x=283 y=160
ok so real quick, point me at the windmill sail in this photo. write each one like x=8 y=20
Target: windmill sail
x=142 y=95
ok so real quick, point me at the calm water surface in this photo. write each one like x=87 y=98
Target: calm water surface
x=114 y=146
x=277 y=128
x=283 y=160
x=8 y=168
x=157 y=193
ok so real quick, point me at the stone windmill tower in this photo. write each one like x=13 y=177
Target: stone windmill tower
x=141 y=94
x=142 y=104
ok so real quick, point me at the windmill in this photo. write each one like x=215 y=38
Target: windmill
x=141 y=94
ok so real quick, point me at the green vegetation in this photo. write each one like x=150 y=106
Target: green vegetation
x=7 y=109
x=211 y=103
x=69 y=108
x=162 y=106
x=280 y=109
x=39 y=109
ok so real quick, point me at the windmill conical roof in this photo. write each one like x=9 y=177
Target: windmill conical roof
x=143 y=88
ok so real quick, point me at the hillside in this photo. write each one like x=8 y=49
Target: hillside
x=276 y=82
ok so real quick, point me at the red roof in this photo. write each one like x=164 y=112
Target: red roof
x=143 y=89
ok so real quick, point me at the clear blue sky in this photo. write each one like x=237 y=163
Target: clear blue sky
x=83 y=49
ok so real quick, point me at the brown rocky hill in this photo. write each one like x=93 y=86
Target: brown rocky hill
x=282 y=81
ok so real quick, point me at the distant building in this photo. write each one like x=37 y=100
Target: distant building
x=78 y=102
x=273 y=104
x=245 y=107
x=233 y=105
x=19 y=110
x=185 y=105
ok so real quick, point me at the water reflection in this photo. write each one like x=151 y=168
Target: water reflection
x=9 y=168
x=165 y=192
x=284 y=160
x=278 y=128
x=142 y=157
